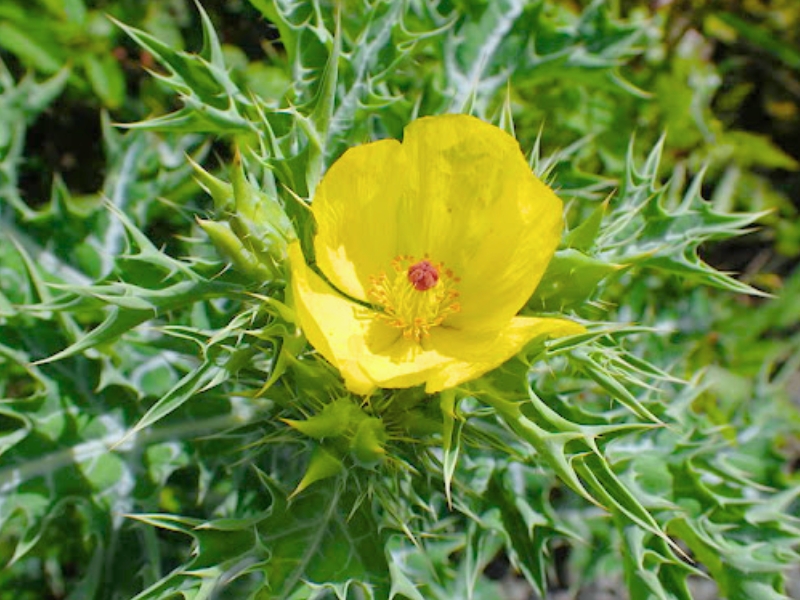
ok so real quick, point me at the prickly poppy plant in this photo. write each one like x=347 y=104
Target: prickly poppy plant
x=433 y=246
x=389 y=305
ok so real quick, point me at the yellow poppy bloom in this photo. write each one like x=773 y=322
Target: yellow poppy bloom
x=430 y=247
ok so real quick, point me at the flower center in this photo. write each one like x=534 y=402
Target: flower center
x=418 y=296
x=423 y=275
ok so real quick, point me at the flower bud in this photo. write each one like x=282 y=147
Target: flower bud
x=230 y=246
x=368 y=441
x=332 y=421
x=322 y=465
x=258 y=221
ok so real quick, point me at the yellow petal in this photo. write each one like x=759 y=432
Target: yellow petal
x=367 y=352
x=474 y=203
x=402 y=364
x=450 y=357
x=457 y=190
x=355 y=207
x=476 y=353
x=330 y=322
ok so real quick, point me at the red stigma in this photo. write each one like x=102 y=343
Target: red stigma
x=423 y=275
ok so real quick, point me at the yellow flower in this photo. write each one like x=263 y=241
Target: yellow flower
x=432 y=246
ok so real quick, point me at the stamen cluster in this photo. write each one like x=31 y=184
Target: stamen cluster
x=417 y=297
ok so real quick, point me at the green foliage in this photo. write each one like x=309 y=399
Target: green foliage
x=49 y=37
x=166 y=431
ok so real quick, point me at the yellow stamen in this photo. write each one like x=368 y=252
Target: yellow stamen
x=417 y=297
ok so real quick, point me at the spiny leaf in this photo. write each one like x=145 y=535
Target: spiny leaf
x=452 y=425
x=131 y=306
x=646 y=228
x=213 y=101
x=335 y=544
x=206 y=376
x=571 y=279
